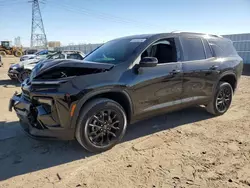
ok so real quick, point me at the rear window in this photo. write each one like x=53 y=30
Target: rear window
x=222 y=48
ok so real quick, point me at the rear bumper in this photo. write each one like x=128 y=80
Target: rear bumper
x=33 y=120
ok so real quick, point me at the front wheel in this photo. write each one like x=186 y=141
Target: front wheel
x=101 y=125
x=221 y=100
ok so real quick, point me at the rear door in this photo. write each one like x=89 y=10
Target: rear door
x=200 y=69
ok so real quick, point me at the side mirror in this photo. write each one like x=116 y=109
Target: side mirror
x=148 y=62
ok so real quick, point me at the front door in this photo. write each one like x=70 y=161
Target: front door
x=157 y=88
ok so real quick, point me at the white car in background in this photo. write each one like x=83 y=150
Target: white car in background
x=22 y=70
x=42 y=54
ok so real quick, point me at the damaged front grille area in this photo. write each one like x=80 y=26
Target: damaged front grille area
x=38 y=112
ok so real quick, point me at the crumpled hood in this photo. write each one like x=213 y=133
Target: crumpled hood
x=69 y=67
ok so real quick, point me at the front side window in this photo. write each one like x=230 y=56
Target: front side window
x=164 y=50
x=115 y=52
x=193 y=49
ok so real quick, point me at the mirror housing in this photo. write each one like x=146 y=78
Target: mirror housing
x=148 y=62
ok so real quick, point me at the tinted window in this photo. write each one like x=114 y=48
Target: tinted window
x=193 y=49
x=74 y=56
x=115 y=51
x=163 y=50
x=222 y=48
x=207 y=49
x=57 y=56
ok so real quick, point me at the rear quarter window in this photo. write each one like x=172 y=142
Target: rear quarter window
x=223 y=48
x=207 y=49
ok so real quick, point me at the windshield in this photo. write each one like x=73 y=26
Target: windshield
x=115 y=52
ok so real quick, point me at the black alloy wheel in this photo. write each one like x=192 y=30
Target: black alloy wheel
x=104 y=127
x=224 y=98
x=221 y=99
x=101 y=125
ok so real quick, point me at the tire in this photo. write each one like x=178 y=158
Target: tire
x=3 y=53
x=23 y=75
x=88 y=117
x=18 y=53
x=220 y=100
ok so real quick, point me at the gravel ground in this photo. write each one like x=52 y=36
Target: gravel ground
x=189 y=148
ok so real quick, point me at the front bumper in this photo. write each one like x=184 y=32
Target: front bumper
x=35 y=120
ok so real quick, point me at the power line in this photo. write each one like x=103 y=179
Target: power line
x=104 y=16
x=7 y=3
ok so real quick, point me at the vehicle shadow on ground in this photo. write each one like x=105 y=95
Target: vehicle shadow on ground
x=9 y=83
x=20 y=154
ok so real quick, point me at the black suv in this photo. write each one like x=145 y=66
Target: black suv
x=127 y=80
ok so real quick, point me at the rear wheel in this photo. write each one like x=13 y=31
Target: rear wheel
x=23 y=75
x=102 y=124
x=221 y=100
x=18 y=53
x=3 y=53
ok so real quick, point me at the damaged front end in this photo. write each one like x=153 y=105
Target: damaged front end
x=48 y=97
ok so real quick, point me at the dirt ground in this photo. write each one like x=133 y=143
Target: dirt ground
x=188 y=148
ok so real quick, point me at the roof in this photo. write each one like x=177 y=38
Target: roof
x=171 y=34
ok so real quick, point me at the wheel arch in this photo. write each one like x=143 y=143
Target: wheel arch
x=229 y=77
x=120 y=96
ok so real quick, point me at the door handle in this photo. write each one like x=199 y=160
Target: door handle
x=214 y=67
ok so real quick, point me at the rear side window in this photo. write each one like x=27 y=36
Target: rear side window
x=222 y=48
x=193 y=49
x=207 y=49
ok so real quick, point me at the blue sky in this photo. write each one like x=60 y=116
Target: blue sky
x=94 y=21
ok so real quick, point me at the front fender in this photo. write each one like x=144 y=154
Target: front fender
x=80 y=103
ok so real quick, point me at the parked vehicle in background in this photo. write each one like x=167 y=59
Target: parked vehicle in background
x=38 y=55
x=30 y=51
x=1 y=63
x=124 y=81
x=23 y=69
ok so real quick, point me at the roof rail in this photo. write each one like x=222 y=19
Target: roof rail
x=187 y=32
